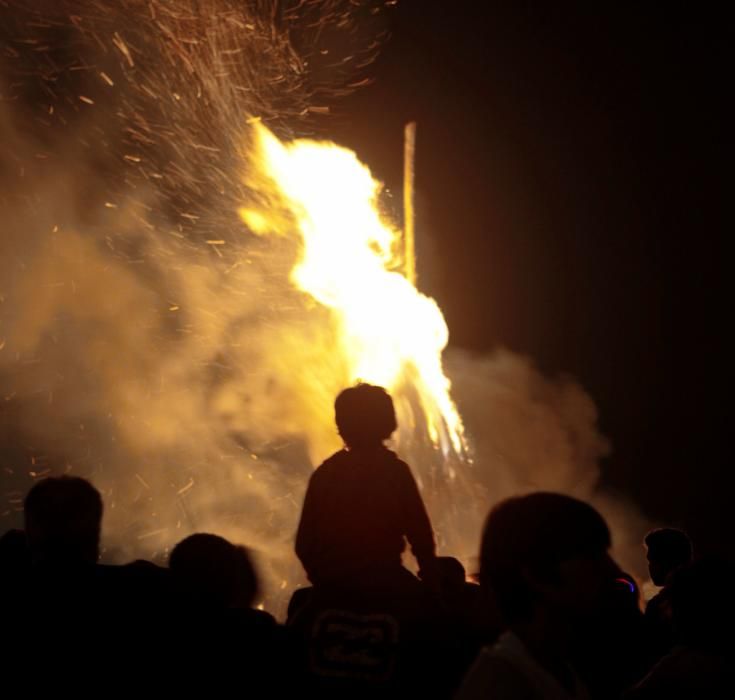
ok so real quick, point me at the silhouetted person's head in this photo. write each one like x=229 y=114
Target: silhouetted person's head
x=63 y=519
x=546 y=551
x=214 y=571
x=451 y=573
x=668 y=549
x=365 y=415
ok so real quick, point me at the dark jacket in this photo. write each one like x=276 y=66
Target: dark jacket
x=359 y=506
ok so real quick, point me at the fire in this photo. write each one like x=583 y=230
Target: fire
x=351 y=262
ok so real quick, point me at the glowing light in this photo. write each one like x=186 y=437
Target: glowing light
x=628 y=584
x=350 y=262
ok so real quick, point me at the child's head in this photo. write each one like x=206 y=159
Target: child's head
x=365 y=415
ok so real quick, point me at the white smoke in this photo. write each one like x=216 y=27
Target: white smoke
x=535 y=433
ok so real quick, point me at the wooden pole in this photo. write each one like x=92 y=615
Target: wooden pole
x=409 y=217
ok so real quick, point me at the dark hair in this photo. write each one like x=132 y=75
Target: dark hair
x=214 y=571
x=365 y=415
x=535 y=533
x=669 y=544
x=63 y=518
x=451 y=572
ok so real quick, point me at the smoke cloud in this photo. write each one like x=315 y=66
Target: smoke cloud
x=150 y=343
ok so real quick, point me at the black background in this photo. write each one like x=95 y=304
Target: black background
x=571 y=171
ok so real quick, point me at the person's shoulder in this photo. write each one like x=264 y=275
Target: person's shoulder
x=390 y=458
x=338 y=458
x=396 y=464
x=330 y=465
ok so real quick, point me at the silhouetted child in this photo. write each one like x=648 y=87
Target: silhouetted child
x=363 y=503
x=369 y=627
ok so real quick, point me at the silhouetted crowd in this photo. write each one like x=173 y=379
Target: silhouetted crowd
x=552 y=617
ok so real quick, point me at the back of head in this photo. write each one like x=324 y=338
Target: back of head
x=365 y=415
x=668 y=549
x=451 y=573
x=214 y=571
x=535 y=534
x=63 y=519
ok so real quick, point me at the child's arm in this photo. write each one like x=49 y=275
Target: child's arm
x=417 y=526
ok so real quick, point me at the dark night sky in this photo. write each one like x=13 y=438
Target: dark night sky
x=571 y=171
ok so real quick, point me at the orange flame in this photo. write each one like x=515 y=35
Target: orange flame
x=390 y=333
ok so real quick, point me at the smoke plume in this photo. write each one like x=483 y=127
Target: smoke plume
x=150 y=342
